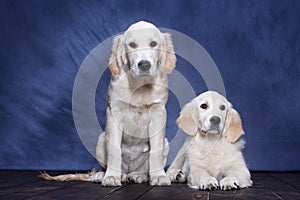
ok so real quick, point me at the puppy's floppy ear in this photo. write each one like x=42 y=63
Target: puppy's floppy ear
x=186 y=120
x=118 y=57
x=167 y=57
x=235 y=129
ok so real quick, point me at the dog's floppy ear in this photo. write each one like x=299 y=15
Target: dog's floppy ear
x=118 y=57
x=235 y=129
x=167 y=58
x=186 y=120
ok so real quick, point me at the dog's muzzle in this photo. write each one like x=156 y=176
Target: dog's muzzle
x=144 y=65
x=215 y=120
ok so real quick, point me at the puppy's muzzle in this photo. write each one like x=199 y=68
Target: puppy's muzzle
x=144 y=65
x=214 y=126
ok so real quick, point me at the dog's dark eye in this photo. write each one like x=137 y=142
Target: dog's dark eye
x=133 y=45
x=153 y=44
x=204 y=106
x=222 y=107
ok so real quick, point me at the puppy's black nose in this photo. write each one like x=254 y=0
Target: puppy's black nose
x=215 y=120
x=144 y=65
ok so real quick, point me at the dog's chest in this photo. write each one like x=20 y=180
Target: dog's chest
x=148 y=95
x=136 y=121
x=135 y=145
x=139 y=115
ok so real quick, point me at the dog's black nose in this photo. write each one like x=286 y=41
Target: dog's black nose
x=144 y=65
x=215 y=120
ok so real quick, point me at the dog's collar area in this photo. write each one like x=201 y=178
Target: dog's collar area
x=146 y=105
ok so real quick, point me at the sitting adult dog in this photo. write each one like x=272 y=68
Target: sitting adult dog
x=211 y=156
x=134 y=146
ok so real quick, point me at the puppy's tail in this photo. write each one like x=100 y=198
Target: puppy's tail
x=92 y=176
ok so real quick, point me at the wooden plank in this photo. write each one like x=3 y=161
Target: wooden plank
x=16 y=178
x=262 y=189
x=182 y=191
x=289 y=195
x=6 y=176
x=175 y=191
x=34 y=188
x=266 y=187
x=26 y=185
x=131 y=191
x=16 y=173
x=270 y=183
x=81 y=190
x=291 y=178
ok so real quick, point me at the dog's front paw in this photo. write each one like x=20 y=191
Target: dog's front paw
x=160 y=180
x=137 y=177
x=229 y=183
x=176 y=176
x=111 y=181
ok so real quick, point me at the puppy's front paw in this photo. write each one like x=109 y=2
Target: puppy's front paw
x=160 y=180
x=111 y=181
x=205 y=183
x=176 y=176
x=229 y=183
x=208 y=183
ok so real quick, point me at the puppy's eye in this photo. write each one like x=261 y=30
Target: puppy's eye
x=222 y=107
x=133 y=45
x=204 y=106
x=153 y=44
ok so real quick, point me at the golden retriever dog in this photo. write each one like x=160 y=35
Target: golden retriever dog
x=211 y=156
x=133 y=147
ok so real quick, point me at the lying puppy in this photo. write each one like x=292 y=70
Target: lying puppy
x=211 y=156
x=134 y=146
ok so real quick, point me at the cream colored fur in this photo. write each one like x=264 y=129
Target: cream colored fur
x=211 y=156
x=134 y=146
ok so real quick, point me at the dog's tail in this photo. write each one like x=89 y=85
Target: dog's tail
x=92 y=176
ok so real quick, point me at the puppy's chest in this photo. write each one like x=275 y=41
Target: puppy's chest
x=212 y=152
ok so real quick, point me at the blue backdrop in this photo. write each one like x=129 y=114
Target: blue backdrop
x=255 y=45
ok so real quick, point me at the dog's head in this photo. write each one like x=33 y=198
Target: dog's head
x=211 y=113
x=143 y=50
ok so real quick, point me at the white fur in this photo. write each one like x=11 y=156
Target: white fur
x=134 y=143
x=211 y=156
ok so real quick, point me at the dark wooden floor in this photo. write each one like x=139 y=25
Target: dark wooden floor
x=26 y=185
